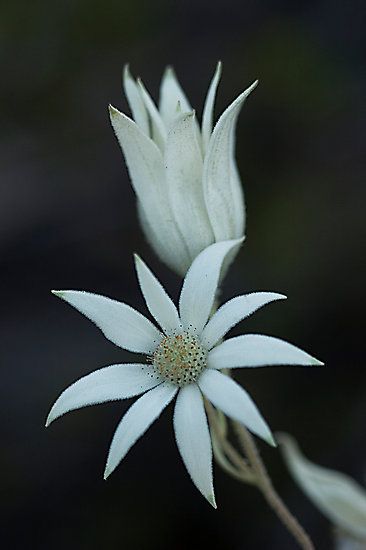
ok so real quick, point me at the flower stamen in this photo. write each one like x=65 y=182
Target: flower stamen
x=180 y=359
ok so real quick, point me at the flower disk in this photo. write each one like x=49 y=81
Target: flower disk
x=180 y=359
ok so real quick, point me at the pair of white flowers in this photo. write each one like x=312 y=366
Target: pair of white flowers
x=191 y=207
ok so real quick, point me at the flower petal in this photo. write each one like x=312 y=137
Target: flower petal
x=157 y=300
x=209 y=107
x=171 y=93
x=135 y=101
x=256 y=350
x=200 y=285
x=146 y=168
x=183 y=161
x=106 y=384
x=235 y=402
x=221 y=184
x=136 y=421
x=193 y=439
x=178 y=260
x=239 y=214
x=339 y=497
x=233 y=311
x=159 y=132
x=120 y=323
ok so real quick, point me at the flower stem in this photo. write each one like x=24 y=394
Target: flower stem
x=264 y=483
x=250 y=469
x=237 y=466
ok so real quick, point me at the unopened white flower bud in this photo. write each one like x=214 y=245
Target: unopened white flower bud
x=188 y=189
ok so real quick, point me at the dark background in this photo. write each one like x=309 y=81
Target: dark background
x=68 y=220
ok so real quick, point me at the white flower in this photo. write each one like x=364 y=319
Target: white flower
x=185 y=359
x=338 y=496
x=187 y=184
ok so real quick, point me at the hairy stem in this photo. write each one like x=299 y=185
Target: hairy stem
x=250 y=469
x=223 y=449
x=264 y=483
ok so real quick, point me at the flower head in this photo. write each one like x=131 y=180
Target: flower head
x=338 y=496
x=185 y=177
x=185 y=358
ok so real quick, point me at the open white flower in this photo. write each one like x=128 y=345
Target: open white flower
x=338 y=496
x=185 y=177
x=185 y=358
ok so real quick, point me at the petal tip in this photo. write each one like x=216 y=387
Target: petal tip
x=113 y=112
x=107 y=472
x=58 y=293
x=139 y=264
x=50 y=418
x=212 y=501
x=238 y=242
x=169 y=71
x=235 y=242
x=250 y=89
x=271 y=441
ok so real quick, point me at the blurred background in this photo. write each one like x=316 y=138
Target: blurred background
x=68 y=220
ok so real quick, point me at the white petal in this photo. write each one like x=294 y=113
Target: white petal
x=158 y=127
x=136 y=421
x=135 y=101
x=239 y=213
x=146 y=168
x=193 y=439
x=233 y=311
x=209 y=107
x=256 y=350
x=157 y=300
x=107 y=384
x=221 y=184
x=158 y=239
x=234 y=401
x=339 y=497
x=170 y=94
x=343 y=541
x=183 y=161
x=120 y=323
x=200 y=285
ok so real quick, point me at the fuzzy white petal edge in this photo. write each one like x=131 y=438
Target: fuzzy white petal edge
x=136 y=421
x=193 y=439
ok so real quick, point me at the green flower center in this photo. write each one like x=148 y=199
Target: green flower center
x=180 y=359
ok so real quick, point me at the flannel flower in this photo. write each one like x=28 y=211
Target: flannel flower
x=185 y=177
x=185 y=355
x=335 y=494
